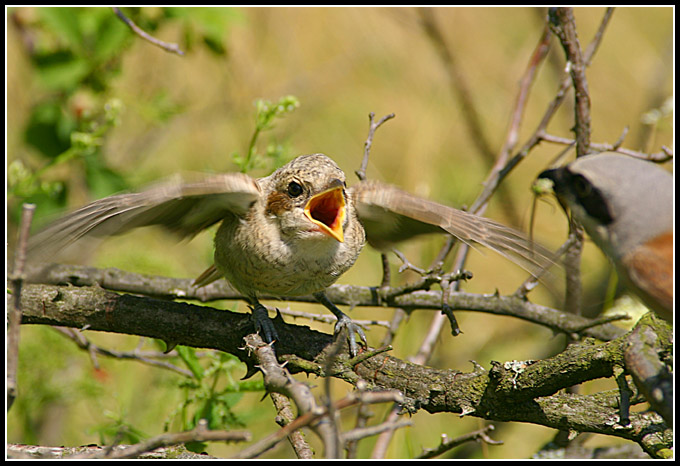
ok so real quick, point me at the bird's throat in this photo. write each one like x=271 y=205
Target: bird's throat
x=327 y=210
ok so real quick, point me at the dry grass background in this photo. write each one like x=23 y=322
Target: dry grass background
x=343 y=63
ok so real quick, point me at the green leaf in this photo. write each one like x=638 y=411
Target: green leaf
x=196 y=447
x=210 y=24
x=45 y=129
x=214 y=45
x=61 y=70
x=111 y=37
x=188 y=355
x=63 y=21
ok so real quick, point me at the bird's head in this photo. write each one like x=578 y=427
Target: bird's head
x=621 y=201
x=307 y=198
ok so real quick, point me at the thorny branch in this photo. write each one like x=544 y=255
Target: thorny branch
x=310 y=413
x=563 y=25
x=520 y=392
x=284 y=417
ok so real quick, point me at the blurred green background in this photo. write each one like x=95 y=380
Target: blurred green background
x=92 y=110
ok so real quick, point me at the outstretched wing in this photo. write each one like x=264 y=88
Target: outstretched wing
x=184 y=208
x=389 y=215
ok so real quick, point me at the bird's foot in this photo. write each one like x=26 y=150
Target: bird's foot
x=344 y=322
x=352 y=328
x=263 y=324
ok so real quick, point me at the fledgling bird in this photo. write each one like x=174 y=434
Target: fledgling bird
x=626 y=206
x=292 y=233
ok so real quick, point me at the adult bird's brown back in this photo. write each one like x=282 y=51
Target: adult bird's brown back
x=291 y=233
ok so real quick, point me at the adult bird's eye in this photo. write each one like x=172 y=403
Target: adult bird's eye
x=581 y=186
x=294 y=189
x=591 y=200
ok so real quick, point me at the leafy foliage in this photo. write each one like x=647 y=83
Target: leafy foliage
x=76 y=54
x=266 y=113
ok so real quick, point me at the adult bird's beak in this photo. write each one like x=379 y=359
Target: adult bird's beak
x=327 y=210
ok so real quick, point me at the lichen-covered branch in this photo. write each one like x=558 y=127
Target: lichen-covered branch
x=516 y=391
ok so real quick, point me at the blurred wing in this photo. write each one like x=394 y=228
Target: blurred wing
x=389 y=214
x=183 y=208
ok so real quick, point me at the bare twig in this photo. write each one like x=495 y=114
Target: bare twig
x=327 y=318
x=659 y=157
x=167 y=46
x=397 y=317
x=448 y=444
x=563 y=25
x=540 y=131
x=625 y=394
x=597 y=39
x=199 y=434
x=383 y=441
x=386 y=275
x=284 y=417
x=426 y=347
x=512 y=136
x=332 y=441
x=369 y=431
x=499 y=170
x=553 y=106
x=364 y=413
x=572 y=267
x=310 y=413
x=150 y=359
x=373 y=126
x=14 y=317
x=361 y=174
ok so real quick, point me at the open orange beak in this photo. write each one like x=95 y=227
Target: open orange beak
x=326 y=210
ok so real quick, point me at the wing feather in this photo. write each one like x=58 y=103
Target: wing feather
x=390 y=214
x=181 y=207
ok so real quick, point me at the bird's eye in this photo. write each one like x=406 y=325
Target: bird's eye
x=592 y=200
x=294 y=189
x=581 y=186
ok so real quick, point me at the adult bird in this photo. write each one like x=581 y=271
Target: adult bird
x=625 y=205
